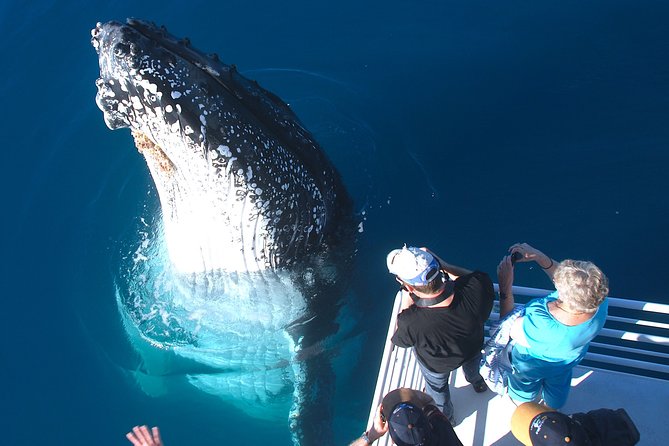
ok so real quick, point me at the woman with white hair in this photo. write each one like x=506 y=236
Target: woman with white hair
x=553 y=335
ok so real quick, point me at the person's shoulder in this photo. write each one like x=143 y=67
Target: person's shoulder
x=542 y=301
x=481 y=276
x=537 y=314
x=538 y=306
x=407 y=313
x=478 y=283
x=475 y=276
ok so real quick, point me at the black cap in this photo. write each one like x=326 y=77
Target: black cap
x=407 y=423
x=557 y=429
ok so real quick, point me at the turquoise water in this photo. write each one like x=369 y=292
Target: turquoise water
x=461 y=127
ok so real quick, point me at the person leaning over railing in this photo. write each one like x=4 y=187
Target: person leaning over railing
x=411 y=418
x=553 y=335
x=444 y=308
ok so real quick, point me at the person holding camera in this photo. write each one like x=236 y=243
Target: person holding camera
x=411 y=418
x=554 y=334
x=444 y=308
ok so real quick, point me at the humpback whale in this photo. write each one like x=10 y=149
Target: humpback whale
x=255 y=226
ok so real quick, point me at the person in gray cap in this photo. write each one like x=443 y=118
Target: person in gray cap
x=444 y=308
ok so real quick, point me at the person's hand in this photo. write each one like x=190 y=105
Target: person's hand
x=527 y=252
x=379 y=428
x=436 y=257
x=453 y=271
x=505 y=275
x=140 y=436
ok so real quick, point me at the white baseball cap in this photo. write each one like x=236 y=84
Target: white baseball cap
x=413 y=265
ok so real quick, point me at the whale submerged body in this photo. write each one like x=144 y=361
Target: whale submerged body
x=255 y=228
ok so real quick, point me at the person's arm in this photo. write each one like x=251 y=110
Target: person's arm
x=406 y=303
x=505 y=280
x=378 y=430
x=529 y=254
x=453 y=270
x=402 y=336
x=506 y=300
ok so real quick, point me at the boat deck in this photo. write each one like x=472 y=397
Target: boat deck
x=615 y=374
x=485 y=419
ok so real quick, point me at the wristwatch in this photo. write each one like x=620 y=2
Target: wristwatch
x=365 y=437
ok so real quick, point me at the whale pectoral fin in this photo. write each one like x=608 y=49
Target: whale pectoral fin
x=154 y=386
x=311 y=415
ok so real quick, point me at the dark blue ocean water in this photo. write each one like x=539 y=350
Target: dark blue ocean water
x=463 y=126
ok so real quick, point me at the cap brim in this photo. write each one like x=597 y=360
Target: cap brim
x=522 y=418
x=403 y=395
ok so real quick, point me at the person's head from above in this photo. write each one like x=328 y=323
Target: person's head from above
x=536 y=425
x=417 y=270
x=408 y=425
x=581 y=285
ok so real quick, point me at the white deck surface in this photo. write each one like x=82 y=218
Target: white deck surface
x=484 y=419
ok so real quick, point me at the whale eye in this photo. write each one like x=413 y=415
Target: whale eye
x=121 y=49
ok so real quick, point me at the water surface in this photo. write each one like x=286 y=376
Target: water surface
x=463 y=127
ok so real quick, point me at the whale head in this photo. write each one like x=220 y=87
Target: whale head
x=243 y=185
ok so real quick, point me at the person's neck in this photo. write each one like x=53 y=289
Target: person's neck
x=568 y=316
x=444 y=303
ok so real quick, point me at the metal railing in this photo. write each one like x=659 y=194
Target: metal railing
x=635 y=340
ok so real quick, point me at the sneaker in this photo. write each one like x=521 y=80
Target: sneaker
x=480 y=386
